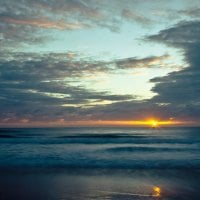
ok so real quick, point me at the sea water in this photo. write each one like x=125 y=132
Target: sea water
x=100 y=163
x=131 y=148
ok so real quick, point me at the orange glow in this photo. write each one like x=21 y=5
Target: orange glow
x=149 y=123
x=154 y=123
x=100 y=123
x=156 y=191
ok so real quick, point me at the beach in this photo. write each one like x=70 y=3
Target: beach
x=99 y=163
x=99 y=184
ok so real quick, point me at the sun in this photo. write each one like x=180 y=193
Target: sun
x=153 y=123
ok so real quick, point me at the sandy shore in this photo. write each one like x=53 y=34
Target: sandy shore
x=99 y=184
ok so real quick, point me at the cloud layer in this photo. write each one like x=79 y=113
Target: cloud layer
x=42 y=85
x=27 y=22
x=181 y=90
x=47 y=86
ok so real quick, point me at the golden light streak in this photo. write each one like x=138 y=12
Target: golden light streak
x=99 y=123
x=140 y=123
x=154 y=123
x=156 y=191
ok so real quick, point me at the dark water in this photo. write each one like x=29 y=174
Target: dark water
x=100 y=164
x=101 y=147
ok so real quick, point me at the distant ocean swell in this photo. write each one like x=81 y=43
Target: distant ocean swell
x=100 y=148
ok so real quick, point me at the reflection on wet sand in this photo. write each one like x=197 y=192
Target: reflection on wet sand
x=101 y=185
x=156 y=191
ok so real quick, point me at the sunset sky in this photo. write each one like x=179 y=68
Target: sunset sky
x=70 y=62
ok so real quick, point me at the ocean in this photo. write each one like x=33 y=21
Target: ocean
x=101 y=147
x=99 y=163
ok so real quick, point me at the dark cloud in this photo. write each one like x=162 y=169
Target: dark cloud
x=182 y=35
x=178 y=93
x=148 y=62
x=57 y=66
x=39 y=87
x=46 y=67
x=181 y=90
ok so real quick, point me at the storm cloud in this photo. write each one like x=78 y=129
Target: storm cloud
x=181 y=89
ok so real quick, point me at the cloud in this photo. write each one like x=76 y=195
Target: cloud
x=38 y=87
x=28 y=22
x=13 y=37
x=178 y=93
x=135 y=17
x=148 y=62
x=24 y=23
x=181 y=90
x=182 y=35
x=193 y=12
x=45 y=23
x=41 y=87
x=46 y=86
x=59 y=66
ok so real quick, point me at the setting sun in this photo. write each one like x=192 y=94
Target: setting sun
x=154 y=123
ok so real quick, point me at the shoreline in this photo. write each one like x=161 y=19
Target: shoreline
x=100 y=184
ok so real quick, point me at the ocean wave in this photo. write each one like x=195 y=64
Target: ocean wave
x=96 y=136
x=94 y=164
x=149 y=149
x=7 y=136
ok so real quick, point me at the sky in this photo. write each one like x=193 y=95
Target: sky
x=76 y=62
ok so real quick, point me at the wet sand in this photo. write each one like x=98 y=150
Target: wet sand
x=99 y=184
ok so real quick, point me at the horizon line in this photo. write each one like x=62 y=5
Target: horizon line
x=103 y=123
